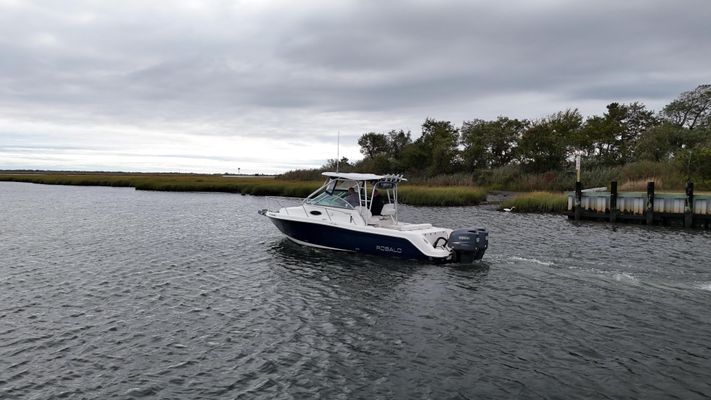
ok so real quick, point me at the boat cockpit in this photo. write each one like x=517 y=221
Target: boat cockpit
x=374 y=195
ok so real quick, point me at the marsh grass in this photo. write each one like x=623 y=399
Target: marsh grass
x=260 y=186
x=461 y=179
x=640 y=185
x=547 y=202
x=441 y=196
x=257 y=186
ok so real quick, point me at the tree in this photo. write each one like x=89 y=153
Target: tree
x=596 y=140
x=696 y=160
x=475 y=139
x=541 y=148
x=397 y=140
x=380 y=164
x=439 y=145
x=371 y=144
x=691 y=109
x=547 y=144
x=635 y=120
x=659 y=143
x=612 y=138
x=503 y=140
x=685 y=131
x=333 y=164
x=490 y=144
x=413 y=158
x=700 y=162
x=383 y=152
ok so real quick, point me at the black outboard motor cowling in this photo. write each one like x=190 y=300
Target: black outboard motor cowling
x=468 y=244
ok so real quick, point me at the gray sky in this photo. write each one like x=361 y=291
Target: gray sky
x=266 y=86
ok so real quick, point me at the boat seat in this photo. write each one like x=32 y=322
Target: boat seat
x=365 y=213
x=388 y=209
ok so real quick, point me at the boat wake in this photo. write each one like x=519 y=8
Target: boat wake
x=625 y=277
x=533 y=260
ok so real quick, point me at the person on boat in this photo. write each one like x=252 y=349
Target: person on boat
x=352 y=197
x=377 y=204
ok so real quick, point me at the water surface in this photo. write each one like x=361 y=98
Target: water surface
x=117 y=293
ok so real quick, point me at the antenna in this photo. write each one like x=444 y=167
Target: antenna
x=338 y=150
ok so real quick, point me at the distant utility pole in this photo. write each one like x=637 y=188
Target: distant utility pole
x=239 y=171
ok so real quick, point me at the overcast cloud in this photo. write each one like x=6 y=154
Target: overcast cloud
x=266 y=86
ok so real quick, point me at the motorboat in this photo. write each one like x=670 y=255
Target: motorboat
x=358 y=212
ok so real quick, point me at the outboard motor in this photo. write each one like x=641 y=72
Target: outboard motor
x=468 y=244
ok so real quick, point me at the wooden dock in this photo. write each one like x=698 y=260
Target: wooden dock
x=650 y=208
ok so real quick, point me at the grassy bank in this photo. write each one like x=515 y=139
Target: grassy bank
x=545 y=202
x=258 y=186
x=441 y=196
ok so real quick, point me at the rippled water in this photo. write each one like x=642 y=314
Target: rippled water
x=116 y=293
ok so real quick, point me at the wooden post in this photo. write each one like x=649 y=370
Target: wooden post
x=578 y=200
x=613 y=201
x=649 y=212
x=689 y=206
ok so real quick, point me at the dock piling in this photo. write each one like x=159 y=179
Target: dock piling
x=689 y=205
x=613 y=201
x=578 y=201
x=649 y=211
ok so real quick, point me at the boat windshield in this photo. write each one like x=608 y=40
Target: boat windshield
x=330 y=200
x=334 y=194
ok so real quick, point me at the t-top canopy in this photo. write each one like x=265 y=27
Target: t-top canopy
x=363 y=177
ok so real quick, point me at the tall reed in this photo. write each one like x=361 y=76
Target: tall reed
x=441 y=196
x=537 y=202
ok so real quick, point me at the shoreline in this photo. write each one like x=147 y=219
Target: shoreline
x=417 y=195
x=270 y=185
